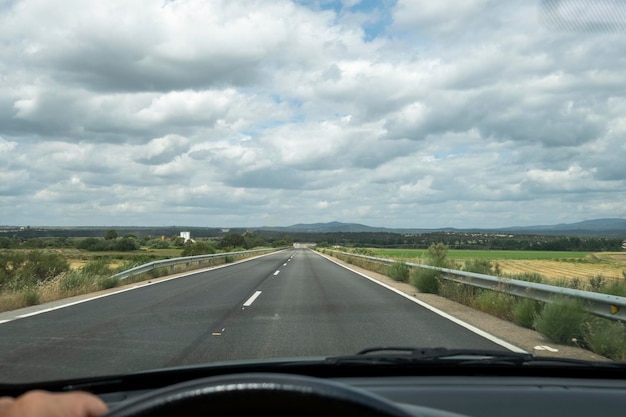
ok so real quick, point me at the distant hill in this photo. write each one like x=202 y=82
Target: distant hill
x=334 y=227
x=613 y=227
x=598 y=227
x=588 y=228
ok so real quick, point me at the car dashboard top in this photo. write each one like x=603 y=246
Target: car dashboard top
x=312 y=387
x=486 y=396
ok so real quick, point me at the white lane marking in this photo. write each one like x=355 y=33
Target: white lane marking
x=277 y=272
x=140 y=285
x=546 y=347
x=219 y=332
x=453 y=319
x=285 y=264
x=251 y=299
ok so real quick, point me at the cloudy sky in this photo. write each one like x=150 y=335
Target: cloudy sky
x=407 y=113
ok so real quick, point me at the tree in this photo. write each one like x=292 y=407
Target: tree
x=126 y=245
x=198 y=248
x=253 y=240
x=110 y=235
x=438 y=254
x=232 y=240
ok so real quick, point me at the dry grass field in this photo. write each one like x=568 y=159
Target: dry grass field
x=554 y=270
x=552 y=265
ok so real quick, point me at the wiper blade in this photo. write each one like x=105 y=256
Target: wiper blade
x=402 y=355
x=408 y=355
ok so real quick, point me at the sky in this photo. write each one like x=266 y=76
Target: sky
x=407 y=113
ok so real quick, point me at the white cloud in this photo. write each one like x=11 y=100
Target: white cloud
x=453 y=113
x=444 y=15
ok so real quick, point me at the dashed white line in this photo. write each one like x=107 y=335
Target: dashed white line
x=277 y=272
x=251 y=299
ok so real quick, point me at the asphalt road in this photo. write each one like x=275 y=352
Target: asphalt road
x=288 y=304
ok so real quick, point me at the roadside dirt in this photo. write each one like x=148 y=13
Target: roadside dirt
x=526 y=339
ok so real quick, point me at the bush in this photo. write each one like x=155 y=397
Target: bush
x=159 y=272
x=72 y=282
x=398 y=271
x=126 y=244
x=364 y=251
x=425 y=280
x=479 y=266
x=45 y=266
x=606 y=338
x=31 y=296
x=495 y=303
x=198 y=248
x=529 y=276
x=104 y=283
x=19 y=270
x=614 y=288
x=158 y=244
x=562 y=321
x=96 y=268
x=525 y=311
x=596 y=283
x=93 y=244
x=464 y=294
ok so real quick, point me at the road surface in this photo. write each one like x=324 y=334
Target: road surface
x=291 y=303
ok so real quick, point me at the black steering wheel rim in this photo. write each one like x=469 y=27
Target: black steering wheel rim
x=258 y=393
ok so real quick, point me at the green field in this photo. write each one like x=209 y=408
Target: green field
x=480 y=254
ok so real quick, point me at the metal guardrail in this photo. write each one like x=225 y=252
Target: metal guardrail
x=603 y=305
x=184 y=260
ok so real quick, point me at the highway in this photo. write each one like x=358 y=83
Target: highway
x=287 y=304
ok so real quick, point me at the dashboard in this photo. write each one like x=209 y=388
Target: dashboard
x=427 y=396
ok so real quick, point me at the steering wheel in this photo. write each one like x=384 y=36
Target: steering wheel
x=258 y=393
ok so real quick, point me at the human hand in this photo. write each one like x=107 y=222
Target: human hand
x=47 y=404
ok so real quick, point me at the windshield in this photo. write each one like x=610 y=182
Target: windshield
x=332 y=173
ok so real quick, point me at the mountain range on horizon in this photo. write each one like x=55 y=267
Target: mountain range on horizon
x=608 y=227
x=604 y=227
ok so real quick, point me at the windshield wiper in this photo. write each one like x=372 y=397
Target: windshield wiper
x=402 y=355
